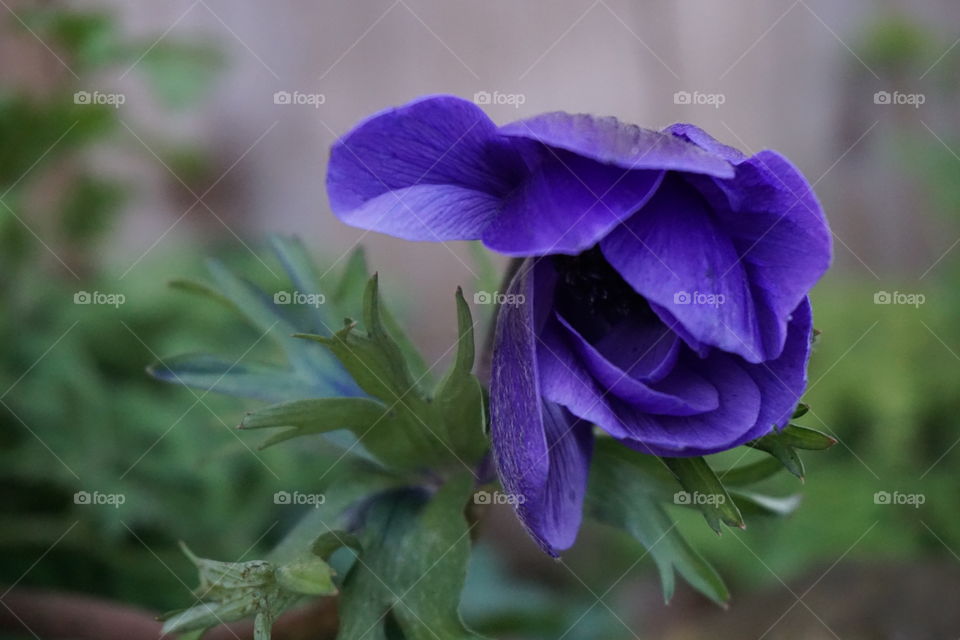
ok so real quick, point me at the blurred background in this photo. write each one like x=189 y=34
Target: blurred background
x=139 y=138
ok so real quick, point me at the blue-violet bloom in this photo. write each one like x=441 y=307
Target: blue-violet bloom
x=663 y=293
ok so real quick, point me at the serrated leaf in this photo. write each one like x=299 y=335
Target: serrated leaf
x=704 y=490
x=378 y=365
x=618 y=495
x=775 y=444
x=376 y=427
x=459 y=397
x=412 y=568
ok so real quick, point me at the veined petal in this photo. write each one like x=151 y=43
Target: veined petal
x=683 y=392
x=542 y=452
x=783 y=380
x=613 y=142
x=433 y=169
x=781 y=234
x=674 y=253
x=567 y=204
x=725 y=427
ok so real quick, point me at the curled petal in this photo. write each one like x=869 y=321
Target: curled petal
x=613 y=142
x=434 y=169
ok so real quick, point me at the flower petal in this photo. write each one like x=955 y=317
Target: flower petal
x=567 y=205
x=782 y=381
x=542 y=452
x=727 y=426
x=433 y=169
x=683 y=392
x=674 y=254
x=554 y=517
x=610 y=141
x=699 y=137
x=781 y=234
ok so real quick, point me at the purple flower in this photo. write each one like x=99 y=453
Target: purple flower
x=663 y=297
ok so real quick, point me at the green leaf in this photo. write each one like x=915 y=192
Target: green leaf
x=618 y=494
x=201 y=289
x=459 y=397
x=412 y=568
x=378 y=365
x=750 y=473
x=297 y=263
x=375 y=426
x=776 y=445
x=309 y=576
x=762 y=505
x=212 y=373
x=801 y=410
x=704 y=490
x=349 y=292
x=806 y=438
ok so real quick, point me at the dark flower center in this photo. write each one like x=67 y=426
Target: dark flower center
x=593 y=297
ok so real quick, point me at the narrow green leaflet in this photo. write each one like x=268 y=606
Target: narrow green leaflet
x=755 y=504
x=618 y=495
x=806 y=438
x=459 y=397
x=750 y=473
x=705 y=491
x=412 y=567
x=213 y=373
x=374 y=425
